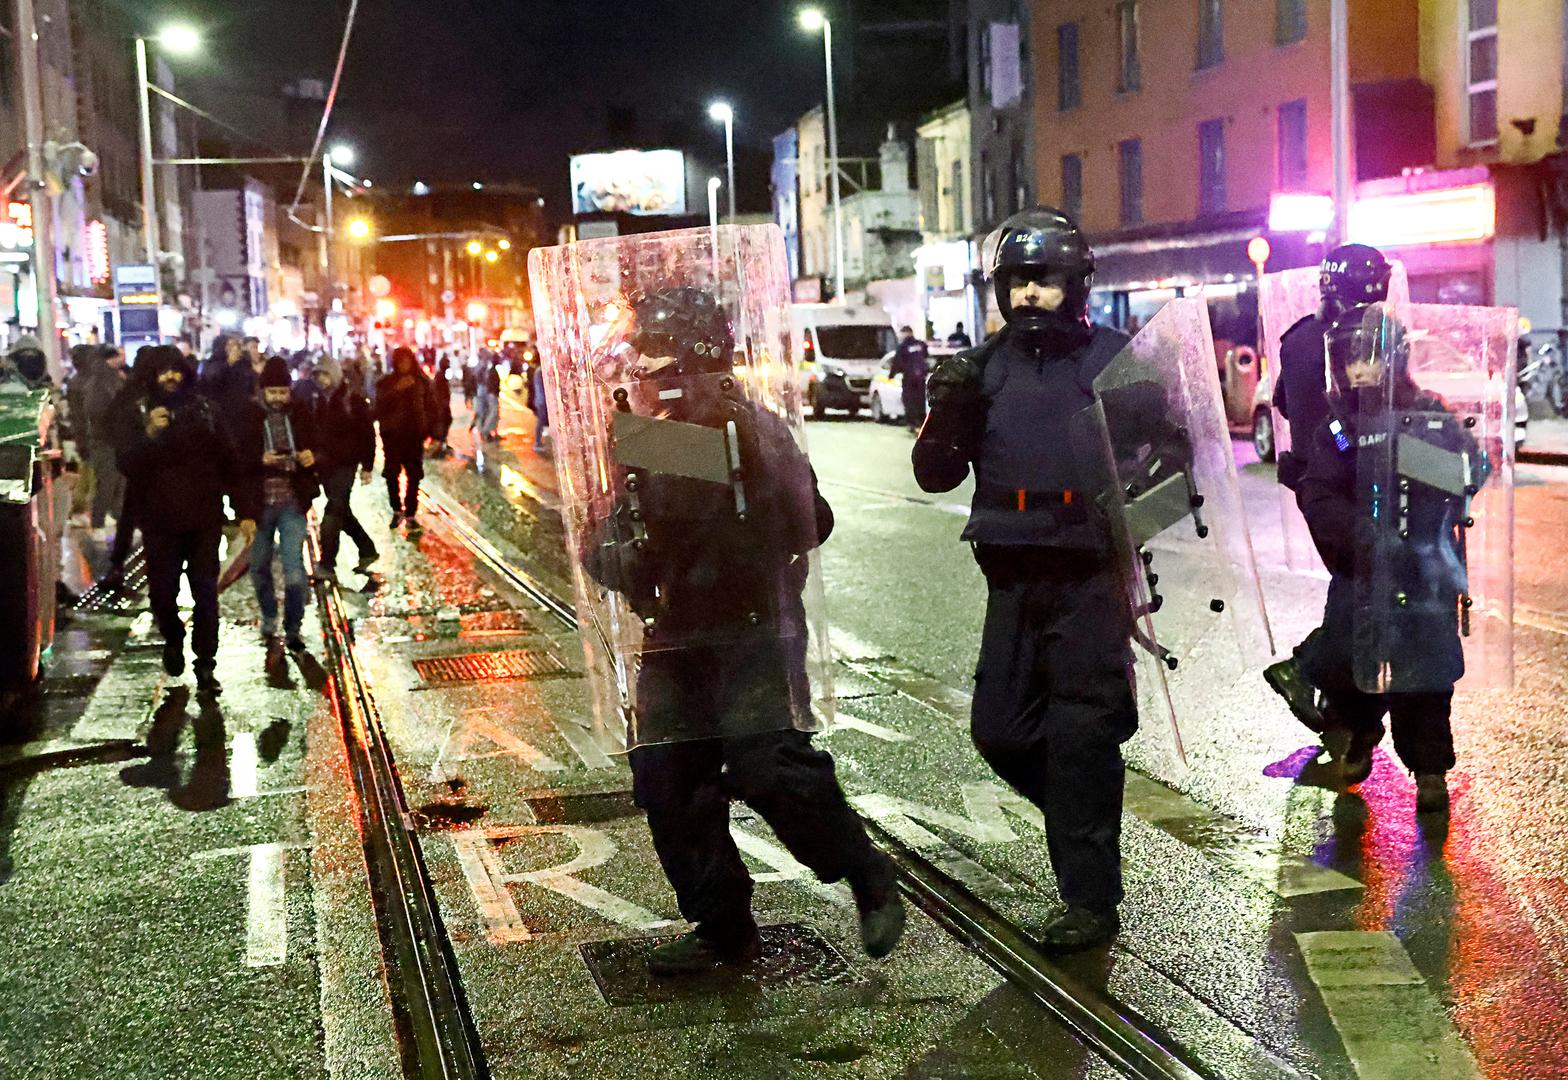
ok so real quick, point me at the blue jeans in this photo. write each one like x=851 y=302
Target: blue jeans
x=281 y=530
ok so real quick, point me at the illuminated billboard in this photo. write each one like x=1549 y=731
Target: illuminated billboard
x=629 y=182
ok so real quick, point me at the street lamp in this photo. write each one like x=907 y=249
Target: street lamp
x=475 y=248
x=725 y=114
x=177 y=40
x=492 y=256
x=504 y=244
x=359 y=228
x=812 y=20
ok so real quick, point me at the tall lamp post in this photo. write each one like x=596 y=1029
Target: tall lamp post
x=725 y=114
x=179 y=41
x=812 y=20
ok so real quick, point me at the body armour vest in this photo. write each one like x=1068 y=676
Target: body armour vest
x=1029 y=487
x=1302 y=371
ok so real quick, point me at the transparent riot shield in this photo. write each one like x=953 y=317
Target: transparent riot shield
x=1434 y=482
x=1284 y=299
x=688 y=498
x=1165 y=477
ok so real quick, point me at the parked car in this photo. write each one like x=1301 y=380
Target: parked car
x=887 y=392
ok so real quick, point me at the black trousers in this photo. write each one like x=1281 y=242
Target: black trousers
x=125 y=527
x=195 y=554
x=1423 y=733
x=338 y=518
x=686 y=788
x=1053 y=704
x=404 y=457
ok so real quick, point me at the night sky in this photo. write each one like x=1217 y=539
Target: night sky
x=506 y=89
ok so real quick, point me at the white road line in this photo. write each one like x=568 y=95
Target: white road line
x=843 y=718
x=1392 y=1025
x=266 y=925
x=244 y=762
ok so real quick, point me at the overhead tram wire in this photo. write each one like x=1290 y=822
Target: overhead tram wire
x=326 y=112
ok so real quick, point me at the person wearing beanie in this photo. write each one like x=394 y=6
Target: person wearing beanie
x=280 y=443
x=346 y=443
x=403 y=411
x=178 y=458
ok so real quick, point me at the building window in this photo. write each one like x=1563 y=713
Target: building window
x=1211 y=34
x=1130 y=156
x=985 y=61
x=1293 y=145
x=1069 y=94
x=1072 y=186
x=959 y=222
x=1211 y=166
x=1481 y=71
x=1130 y=79
x=1290 y=21
x=988 y=188
x=1020 y=177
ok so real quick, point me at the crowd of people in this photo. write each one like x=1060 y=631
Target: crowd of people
x=180 y=453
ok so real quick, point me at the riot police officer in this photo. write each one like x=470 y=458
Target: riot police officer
x=716 y=682
x=1052 y=701
x=1351 y=277
x=1394 y=549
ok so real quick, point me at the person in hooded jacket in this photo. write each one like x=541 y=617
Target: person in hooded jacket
x=440 y=406
x=1052 y=702
x=278 y=441
x=174 y=448
x=228 y=380
x=403 y=413
x=345 y=444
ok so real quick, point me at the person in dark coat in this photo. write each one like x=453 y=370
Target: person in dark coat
x=540 y=404
x=440 y=407
x=228 y=380
x=958 y=339
x=278 y=442
x=175 y=450
x=1052 y=702
x=345 y=444
x=403 y=413
x=1351 y=278
x=716 y=699
x=912 y=363
x=1373 y=399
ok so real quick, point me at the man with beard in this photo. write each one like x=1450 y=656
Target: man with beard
x=1052 y=702
x=280 y=441
x=173 y=447
x=403 y=413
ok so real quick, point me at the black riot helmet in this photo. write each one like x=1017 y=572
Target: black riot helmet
x=1042 y=244
x=1352 y=276
x=687 y=325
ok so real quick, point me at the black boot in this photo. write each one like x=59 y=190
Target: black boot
x=1432 y=793
x=693 y=954
x=1079 y=928
x=174 y=658
x=1356 y=763
x=881 y=908
x=207 y=684
x=1286 y=680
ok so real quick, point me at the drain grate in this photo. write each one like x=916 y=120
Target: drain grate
x=792 y=955
x=489 y=666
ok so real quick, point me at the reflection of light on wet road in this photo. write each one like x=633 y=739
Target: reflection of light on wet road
x=517 y=484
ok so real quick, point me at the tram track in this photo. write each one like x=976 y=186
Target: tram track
x=1129 y=1042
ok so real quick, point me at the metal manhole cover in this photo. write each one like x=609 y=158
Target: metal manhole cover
x=792 y=954
x=489 y=666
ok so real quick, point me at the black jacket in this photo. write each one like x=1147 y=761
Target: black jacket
x=230 y=387
x=181 y=475
x=1300 y=394
x=403 y=407
x=345 y=430
x=250 y=445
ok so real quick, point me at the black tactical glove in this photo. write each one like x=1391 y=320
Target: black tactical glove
x=956 y=381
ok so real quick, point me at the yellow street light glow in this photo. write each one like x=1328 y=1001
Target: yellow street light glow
x=492 y=256
x=504 y=244
x=811 y=19
x=358 y=228
x=179 y=39
x=475 y=247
